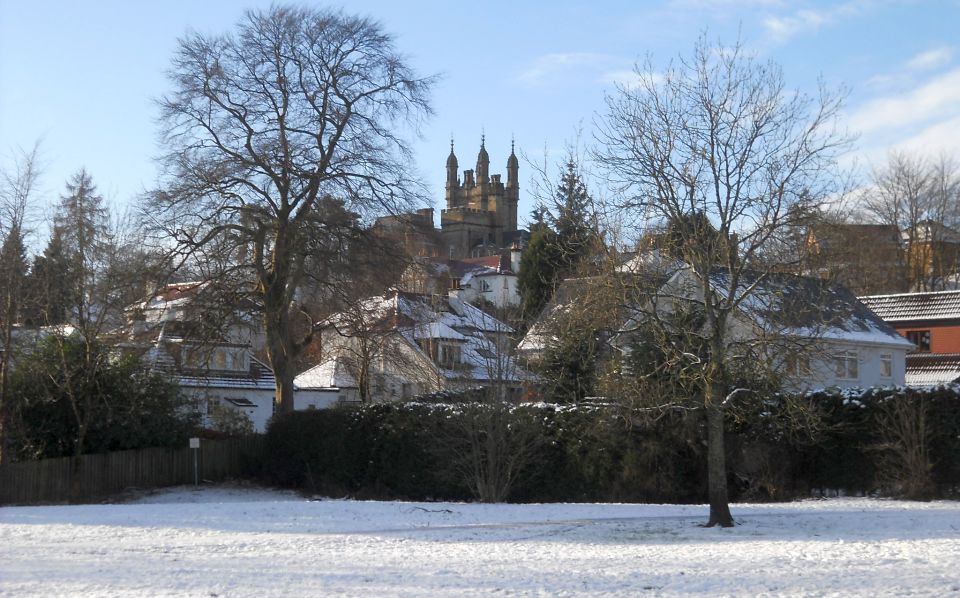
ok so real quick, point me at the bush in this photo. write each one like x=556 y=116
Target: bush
x=70 y=396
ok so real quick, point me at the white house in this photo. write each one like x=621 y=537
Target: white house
x=208 y=352
x=402 y=345
x=816 y=336
x=490 y=279
x=327 y=384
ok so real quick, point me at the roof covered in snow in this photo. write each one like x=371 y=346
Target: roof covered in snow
x=259 y=377
x=426 y=321
x=332 y=373
x=927 y=369
x=914 y=307
x=801 y=306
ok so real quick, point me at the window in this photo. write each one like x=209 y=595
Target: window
x=886 y=365
x=213 y=403
x=847 y=365
x=484 y=286
x=920 y=338
x=797 y=365
x=449 y=355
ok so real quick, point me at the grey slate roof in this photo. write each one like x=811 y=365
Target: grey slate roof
x=259 y=377
x=803 y=306
x=925 y=369
x=908 y=307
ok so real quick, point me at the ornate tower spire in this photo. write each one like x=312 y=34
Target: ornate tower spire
x=452 y=167
x=513 y=167
x=483 y=163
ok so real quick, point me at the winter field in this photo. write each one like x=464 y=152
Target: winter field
x=246 y=542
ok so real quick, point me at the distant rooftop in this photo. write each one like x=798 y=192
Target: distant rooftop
x=909 y=307
x=927 y=369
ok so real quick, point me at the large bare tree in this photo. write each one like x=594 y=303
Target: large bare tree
x=717 y=148
x=272 y=131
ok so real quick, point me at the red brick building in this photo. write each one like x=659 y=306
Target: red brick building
x=931 y=321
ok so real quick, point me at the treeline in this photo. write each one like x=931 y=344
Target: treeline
x=893 y=442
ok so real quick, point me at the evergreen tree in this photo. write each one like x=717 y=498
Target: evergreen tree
x=538 y=271
x=572 y=217
x=82 y=222
x=553 y=253
x=13 y=271
x=49 y=288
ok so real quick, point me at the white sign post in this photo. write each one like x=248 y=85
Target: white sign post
x=195 y=446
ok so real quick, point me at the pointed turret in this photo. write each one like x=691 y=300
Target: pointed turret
x=513 y=167
x=483 y=163
x=452 y=168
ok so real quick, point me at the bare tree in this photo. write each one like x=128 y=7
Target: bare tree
x=295 y=106
x=920 y=198
x=717 y=146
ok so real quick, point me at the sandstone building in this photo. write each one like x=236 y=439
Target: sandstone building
x=481 y=214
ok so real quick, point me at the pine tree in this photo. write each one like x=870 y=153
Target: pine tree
x=13 y=272
x=50 y=291
x=572 y=217
x=538 y=274
x=81 y=221
x=559 y=244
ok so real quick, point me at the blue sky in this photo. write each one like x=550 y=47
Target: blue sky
x=82 y=76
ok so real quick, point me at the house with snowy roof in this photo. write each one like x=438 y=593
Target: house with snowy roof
x=327 y=384
x=208 y=350
x=931 y=321
x=402 y=345
x=816 y=335
x=813 y=334
x=488 y=279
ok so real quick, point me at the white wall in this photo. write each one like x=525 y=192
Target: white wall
x=259 y=414
x=822 y=372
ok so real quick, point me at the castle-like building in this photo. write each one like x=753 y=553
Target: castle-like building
x=480 y=218
x=481 y=214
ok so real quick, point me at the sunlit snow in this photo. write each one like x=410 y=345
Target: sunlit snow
x=243 y=542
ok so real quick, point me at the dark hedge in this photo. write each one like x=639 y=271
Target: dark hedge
x=843 y=442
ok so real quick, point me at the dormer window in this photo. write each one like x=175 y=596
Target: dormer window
x=448 y=355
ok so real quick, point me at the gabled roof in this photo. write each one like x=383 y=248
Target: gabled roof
x=927 y=369
x=909 y=307
x=805 y=307
x=419 y=319
x=332 y=373
x=498 y=263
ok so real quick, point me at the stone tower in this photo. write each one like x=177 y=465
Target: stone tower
x=481 y=213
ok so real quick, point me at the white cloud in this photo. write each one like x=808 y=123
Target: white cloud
x=629 y=78
x=551 y=65
x=782 y=28
x=941 y=137
x=702 y=5
x=936 y=99
x=932 y=59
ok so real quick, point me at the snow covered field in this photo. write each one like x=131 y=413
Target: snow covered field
x=242 y=542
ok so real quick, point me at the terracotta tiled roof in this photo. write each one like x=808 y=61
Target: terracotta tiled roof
x=907 y=307
x=924 y=369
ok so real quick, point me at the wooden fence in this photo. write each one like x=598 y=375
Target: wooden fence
x=93 y=477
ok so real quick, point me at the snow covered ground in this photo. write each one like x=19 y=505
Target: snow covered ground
x=242 y=542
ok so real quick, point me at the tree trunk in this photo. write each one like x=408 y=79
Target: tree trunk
x=281 y=361
x=717 y=464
